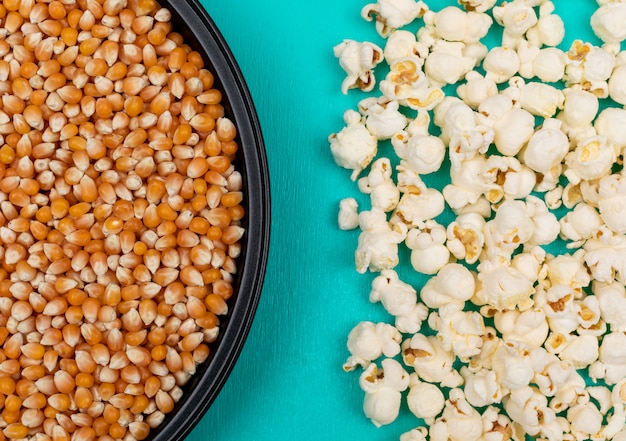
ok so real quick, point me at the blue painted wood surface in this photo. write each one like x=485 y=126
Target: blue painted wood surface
x=288 y=383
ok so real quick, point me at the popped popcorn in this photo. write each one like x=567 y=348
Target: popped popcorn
x=517 y=149
x=382 y=388
x=425 y=400
x=354 y=146
x=393 y=14
x=428 y=251
x=358 y=61
x=378 y=242
x=380 y=186
x=368 y=341
x=348 y=218
x=400 y=300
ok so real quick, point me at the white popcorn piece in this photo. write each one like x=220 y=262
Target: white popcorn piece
x=546 y=148
x=580 y=108
x=447 y=63
x=616 y=422
x=580 y=224
x=465 y=237
x=383 y=387
x=527 y=53
x=368 y=341
x=616 y=85
x=400 y=300
x=476 y=89
x=539 y=99
x=549 y=30
x=354 y=146
x=481 y=388
x=589 y=67
x=407 y=84
x=581 y=350
x=497 y=426
x=551 y=373
x=421 y=151
x=358 y=61
x=512 y=365
x=585 y=420
x=611 y=123
x=516 y=17
x=417 y=203
x=549 y=65
x=592 y=159
x=393 y=14
x=501 y=63
x=554 y=197
x=512 y=226
x=529 y=327
x=529 y=408
x=612 y=202
x=454 y=283
x=546 y=226
x=425 y=400
x=531 y=262
x=477 y=5
x=430 y=361
x=504 y=288
x=607 y=22
x=417 y=434
x=610 y=366
x=491 y=343
x=515 y=180
x=493 y=109
x=403 y=44
x=459 y=331
x=568 y=270
x=606 y=257
x=428 y=251
x=382 y=117
x=454 y=24
x=348 y=218
x=558 y=304
x=612 y=302
x=459 y=129
x=378 y=242
x=463 y=422
x=513 y=130
x=380 y=186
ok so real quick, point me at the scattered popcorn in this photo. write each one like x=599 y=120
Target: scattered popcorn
x=348 y=218
x=378 y=184
x=358 y=61
x=354 y=146
x=428 y=251
x=382 y=117
x=393 y=14
x=607 y=22
x=368 y=341
x=462 y=421
x=383 y=387
x=378 y=242
x=497 y=334
x=454 y=283
x=549 y=65
x=400 y=300
x=425 y=400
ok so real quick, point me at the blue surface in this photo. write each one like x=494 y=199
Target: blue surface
x=288 y=383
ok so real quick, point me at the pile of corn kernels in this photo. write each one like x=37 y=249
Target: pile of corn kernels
x=120 y=214
x=520 y=327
